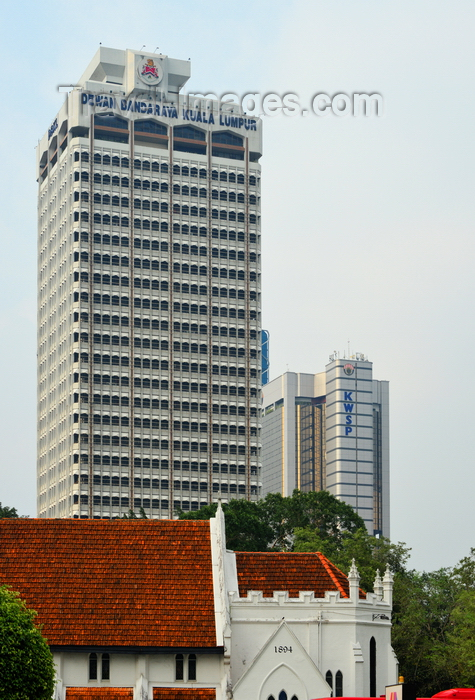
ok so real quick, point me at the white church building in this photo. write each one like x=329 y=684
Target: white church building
x=161 y=610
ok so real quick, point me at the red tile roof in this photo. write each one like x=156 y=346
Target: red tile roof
x=184 y=694
x=284 y=571
x=113 y=582
x=99 y=694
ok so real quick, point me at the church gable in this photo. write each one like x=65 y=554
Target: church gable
x=281 y=666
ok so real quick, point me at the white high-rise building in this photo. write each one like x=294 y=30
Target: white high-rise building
x=330 y=431
x=149 y=324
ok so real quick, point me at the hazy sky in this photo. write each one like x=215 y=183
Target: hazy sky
x=368 y=223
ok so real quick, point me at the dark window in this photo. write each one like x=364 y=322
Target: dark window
x=92 y=667
x=227 y=137
x=105 y=666
x=110 y=121
x=329 y=678
x=179 y=667
x=150 y=126
x=192 y=667
x=372 y=667
x=189 y=132
x=339 y=684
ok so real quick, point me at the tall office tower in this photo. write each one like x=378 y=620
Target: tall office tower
x=330 y=431
x=149 y=295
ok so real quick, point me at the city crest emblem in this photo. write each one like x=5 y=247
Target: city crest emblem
x=149 y=72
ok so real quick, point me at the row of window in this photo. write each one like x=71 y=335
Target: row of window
x=182 y=426
x=185 y=347
x=185 y=268
x=147 y=463
x=104 y=419
x=186 y=327
x=97 y=661
x=155 y=424
x=185 y=386
x=106 y=480
x=222 y=292
x=338 y=689
x=138 y=502
x=146 y=244
x=123 y=201
x=186 y=308
x=123 y=502
x=154 y=166
x=123 y=361
x=183 y=446
x=156 y=444
x=147 y=225
x=105 y=379
x=146 y=264
x=178 y=366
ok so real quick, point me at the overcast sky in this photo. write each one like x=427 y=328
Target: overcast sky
x=367 y=223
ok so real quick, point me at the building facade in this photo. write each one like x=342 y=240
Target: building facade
x=149 y=330
x=183 y=618
x=330 y=431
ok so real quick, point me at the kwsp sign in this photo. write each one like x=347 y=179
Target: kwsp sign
x=348 y=409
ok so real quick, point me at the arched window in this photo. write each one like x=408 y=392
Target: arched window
x=111 y=121
x=92 y=667
x=227 y=138
x=282 y=695
x=294 y=697
x=149 y=126
x=189 y=132
x=338 y=684
x=329 y=678
x=105 y=667
x=192 y=667
x=179 y=667
x=271 y=697
x=372 y=667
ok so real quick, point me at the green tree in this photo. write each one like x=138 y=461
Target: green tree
x=460 y=661
x=319 y=511
x=6 y=512
x=371 y=554
x=423 y=605
x=269 y=524
x=246 y=531
x=132 y=515
x=26 y=663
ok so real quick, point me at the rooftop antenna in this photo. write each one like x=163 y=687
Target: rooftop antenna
x=348 y=348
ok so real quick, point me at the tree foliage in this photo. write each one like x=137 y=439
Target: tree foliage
x=246 y=531
x=26 y=663
x=132 y=515
x=433 y=630
x=371 y=554
x=269 y=524
x=6 y=512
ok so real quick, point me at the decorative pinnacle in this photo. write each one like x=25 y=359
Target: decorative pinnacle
x=388 y=575
x=378 y=585
x=353 y=573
